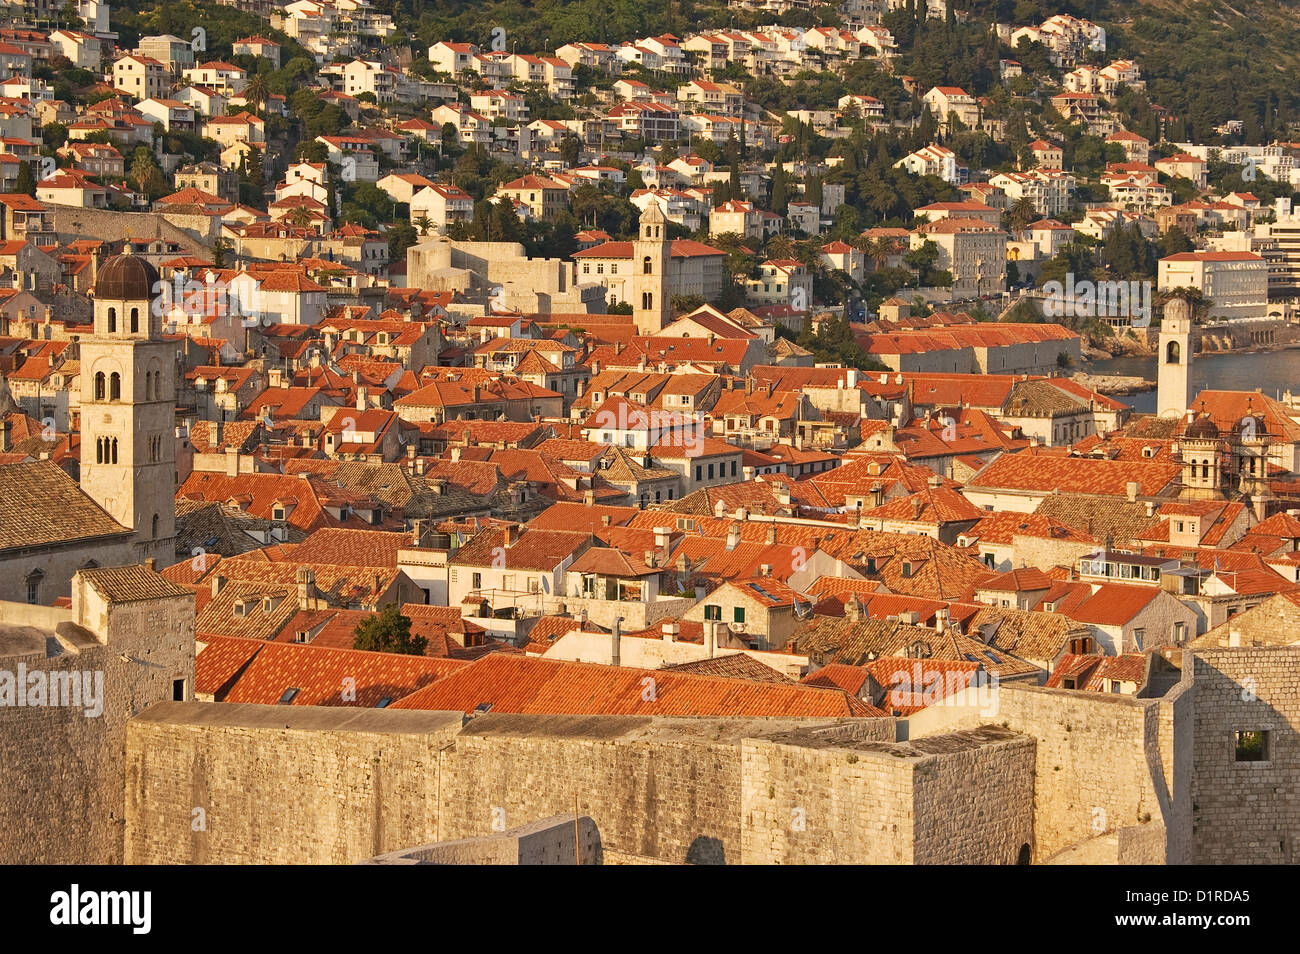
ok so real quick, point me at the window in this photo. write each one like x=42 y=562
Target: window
x=738 y=614
x=178 y=690
x=476 y=580
x=115 y=387
x=713 y=612
x=699 y=472
x=646 y=267
x=710 y=472
x=112 y=319
x=99 y=386
x=289 y=696
x=1139 y=636
x=135 y=320
x=34 y=586
x=1252 y=745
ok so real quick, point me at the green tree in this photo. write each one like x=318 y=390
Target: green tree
x=257 y=91
x=388 y=632
x=570 y=149
x=26 y=182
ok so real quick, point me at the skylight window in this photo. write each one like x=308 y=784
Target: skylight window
x=289 y=696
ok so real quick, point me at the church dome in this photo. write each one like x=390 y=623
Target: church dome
x=126 y=278
x=1202 y=429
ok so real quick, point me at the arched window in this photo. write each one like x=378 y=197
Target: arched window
x=647 y=300
x=135 y=320
x=99 y=450
x=1173 y=353
x=646 y=267
x=155 y=527
x=99 y=385
x=114 y=451
x=115 y=387
x=112 y=319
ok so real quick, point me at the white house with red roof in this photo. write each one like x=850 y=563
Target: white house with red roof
x=141 y=76
x=952 y=102
x=441 y=204
x=1235 y=284
x=844 y=258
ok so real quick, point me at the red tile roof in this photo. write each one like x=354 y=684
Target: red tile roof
x=542 y=686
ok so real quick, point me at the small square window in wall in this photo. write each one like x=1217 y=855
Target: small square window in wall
x=1252 y=745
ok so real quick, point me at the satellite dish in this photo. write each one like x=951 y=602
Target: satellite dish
x=546 y=585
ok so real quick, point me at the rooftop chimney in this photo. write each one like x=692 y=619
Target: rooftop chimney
x=615 y=639
x=733 y=536
x=662 y=535
x=1132 y=488
x=710 y=639
x=670 y=631
x=853 y=610
x=218 y=583
x=306 y=580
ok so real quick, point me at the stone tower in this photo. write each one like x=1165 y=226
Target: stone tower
x=650 y=256
x=128 y=408
x=1200 y=448
x=1174 y=359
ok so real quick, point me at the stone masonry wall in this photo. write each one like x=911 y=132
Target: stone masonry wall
x=965 y=798
x=217 y=783
x=323 y=785
x=1099 y=763
x=61 y=798
x=1247 y=812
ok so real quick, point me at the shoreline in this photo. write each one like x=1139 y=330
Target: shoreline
x=1121 y=385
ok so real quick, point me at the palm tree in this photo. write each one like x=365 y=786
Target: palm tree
x=1022 y=213
x=876 y=249
x=780 y=247
x=423 y=224
x=299 y=217
x=142 y=167
x=257 y=91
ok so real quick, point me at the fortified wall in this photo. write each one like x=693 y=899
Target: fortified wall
x=126 y=643
x=1247 y=812
x=1031 y=774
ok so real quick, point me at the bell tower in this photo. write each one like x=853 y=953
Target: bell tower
x=128 y=408
x=1174 y=360
x=651 y=253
